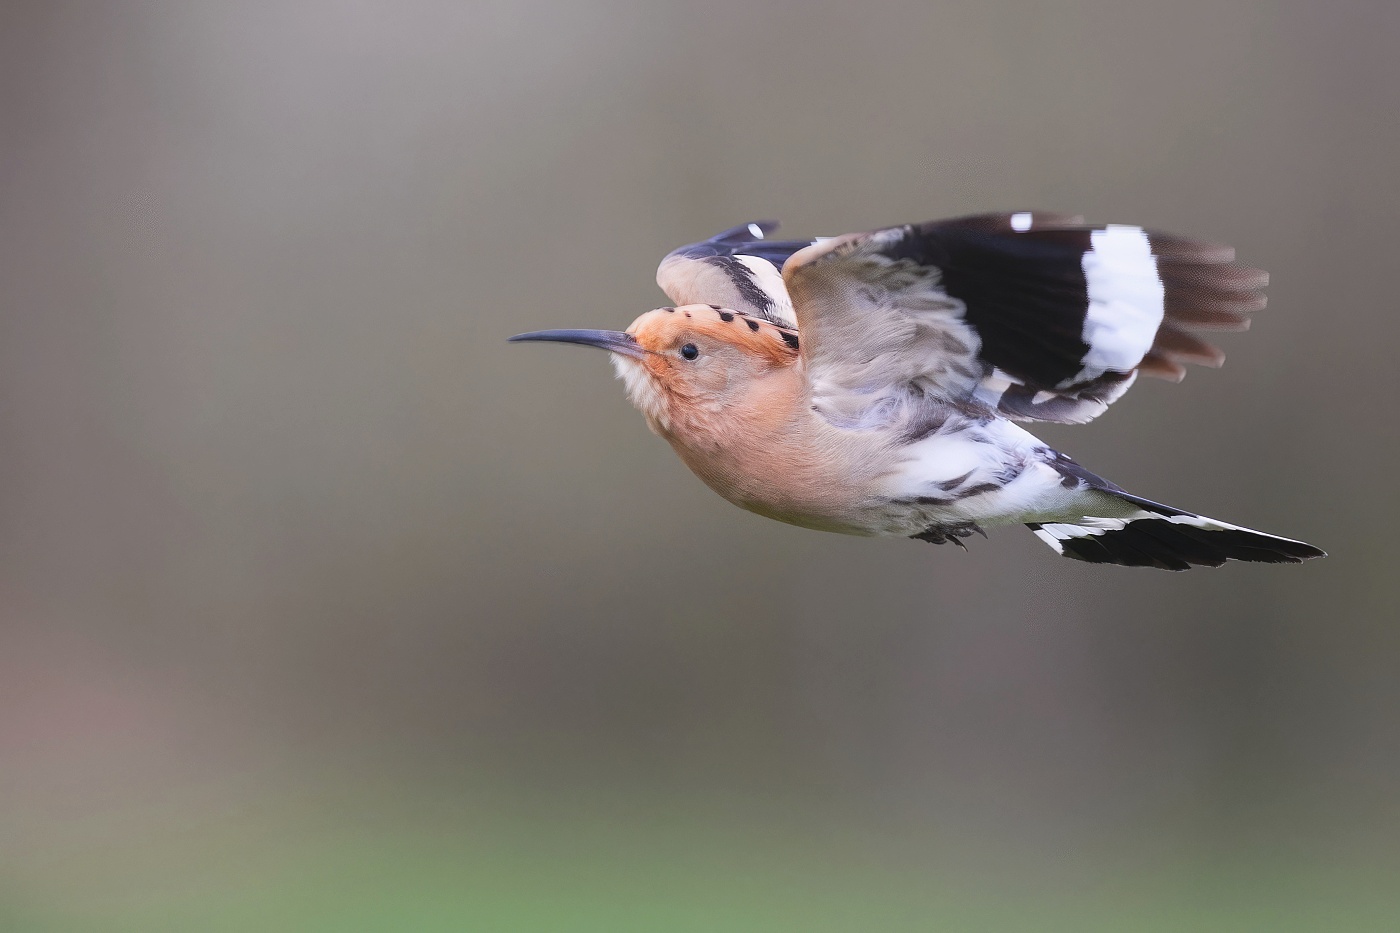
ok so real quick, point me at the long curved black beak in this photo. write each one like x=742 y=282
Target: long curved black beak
x=615 y=341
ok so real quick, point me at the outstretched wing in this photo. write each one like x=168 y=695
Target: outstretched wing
x=1039 y=316
x=736 y=269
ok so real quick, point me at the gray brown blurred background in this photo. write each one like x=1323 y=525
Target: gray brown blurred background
x=320 y=604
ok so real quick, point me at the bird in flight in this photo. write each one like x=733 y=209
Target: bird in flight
x=872 y=384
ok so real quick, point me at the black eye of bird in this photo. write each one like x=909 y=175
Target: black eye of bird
x=690 y=351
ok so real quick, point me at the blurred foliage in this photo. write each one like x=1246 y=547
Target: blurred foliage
x=294 y=863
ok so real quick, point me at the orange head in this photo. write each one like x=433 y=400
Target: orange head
x=695 y=359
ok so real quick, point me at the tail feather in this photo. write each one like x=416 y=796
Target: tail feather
x=1156 y=535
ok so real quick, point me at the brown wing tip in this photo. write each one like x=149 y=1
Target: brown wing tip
x=1180 y=346
x=1158 y=366
x=1204 y=290
x=1168 y=247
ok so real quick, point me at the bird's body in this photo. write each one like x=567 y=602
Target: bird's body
x=929 y=465
x=890 y=411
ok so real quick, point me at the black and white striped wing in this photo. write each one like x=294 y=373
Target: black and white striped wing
x=1039 y=316
x=737 y=269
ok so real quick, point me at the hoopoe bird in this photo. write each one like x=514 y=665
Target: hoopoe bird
x=871 y=384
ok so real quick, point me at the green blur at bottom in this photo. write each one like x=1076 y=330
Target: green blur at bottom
x=372 y=864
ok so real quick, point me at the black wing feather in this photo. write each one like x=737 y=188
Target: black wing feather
x=1068 y=313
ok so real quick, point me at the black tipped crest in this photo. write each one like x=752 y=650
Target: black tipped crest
x=739 y=269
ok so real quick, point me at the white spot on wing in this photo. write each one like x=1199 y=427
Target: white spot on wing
x=993 y=387
x=756 y=230
x=766 y=277
x=1021 y=222
x=1125 y=300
